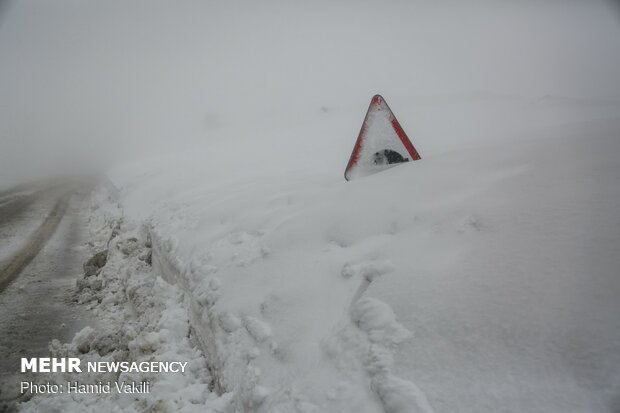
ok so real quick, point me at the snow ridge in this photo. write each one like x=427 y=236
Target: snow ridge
x=360 y=349
x=142 y=318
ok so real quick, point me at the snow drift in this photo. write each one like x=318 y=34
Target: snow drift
x=482 y=278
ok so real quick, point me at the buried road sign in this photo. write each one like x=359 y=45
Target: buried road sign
x=381 y=144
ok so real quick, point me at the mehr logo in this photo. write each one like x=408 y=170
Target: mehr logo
x=51 y=365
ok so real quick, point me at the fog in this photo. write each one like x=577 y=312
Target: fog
x=90 y=83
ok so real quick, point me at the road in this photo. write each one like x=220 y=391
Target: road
x=42 y=235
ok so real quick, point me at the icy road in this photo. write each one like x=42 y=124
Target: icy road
x=40 y=255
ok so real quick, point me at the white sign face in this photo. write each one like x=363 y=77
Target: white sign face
x=381 y=144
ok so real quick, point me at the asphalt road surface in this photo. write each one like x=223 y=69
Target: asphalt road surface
x=42 y=238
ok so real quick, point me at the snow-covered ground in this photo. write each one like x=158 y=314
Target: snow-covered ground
x=14 y=232
x=139 y=318
x=483 y=278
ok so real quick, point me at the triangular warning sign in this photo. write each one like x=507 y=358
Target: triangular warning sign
x=381 y=144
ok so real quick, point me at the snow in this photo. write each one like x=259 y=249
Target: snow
x=482 y=278
x=140 y=318
x=22 y=213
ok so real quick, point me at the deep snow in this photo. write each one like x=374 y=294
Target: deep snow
x=483 y=278
x=140 y=318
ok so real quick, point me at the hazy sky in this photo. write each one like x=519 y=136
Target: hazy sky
x=94 y=75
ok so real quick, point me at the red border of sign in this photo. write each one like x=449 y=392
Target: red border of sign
x=355 y=155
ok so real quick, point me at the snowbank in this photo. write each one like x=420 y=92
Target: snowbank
x=140 y=318
x=482 y=278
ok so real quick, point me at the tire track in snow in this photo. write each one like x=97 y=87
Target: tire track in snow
x=11 y=267
x=13 y=207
